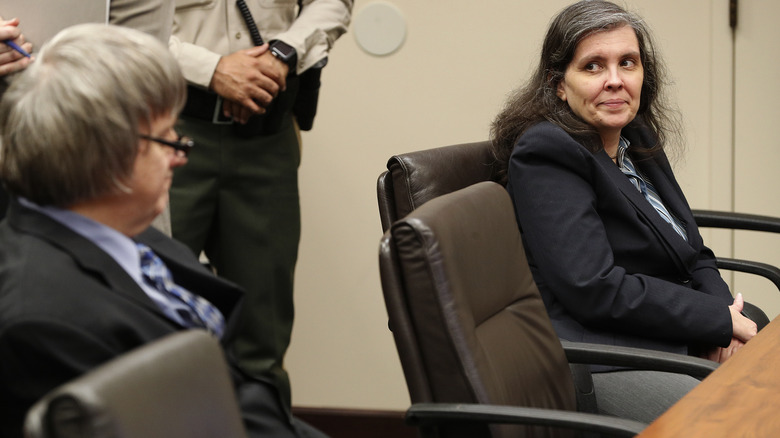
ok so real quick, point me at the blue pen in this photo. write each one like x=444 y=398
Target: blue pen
x=16 y=47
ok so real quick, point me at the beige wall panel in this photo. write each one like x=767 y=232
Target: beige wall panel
x=757 y=152
x=443 y=86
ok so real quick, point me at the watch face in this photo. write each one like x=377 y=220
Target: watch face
x=283 y=51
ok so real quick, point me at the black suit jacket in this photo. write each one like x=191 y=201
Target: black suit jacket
x=609 y=268
x=4 y=199
x=66 y=307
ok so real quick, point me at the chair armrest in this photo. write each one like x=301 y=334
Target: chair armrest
x=737 y=221
x=755 y=314
x=637 y=358
x=427 y=414
x=771 y=273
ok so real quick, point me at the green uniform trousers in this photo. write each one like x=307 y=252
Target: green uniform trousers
x=237 y=200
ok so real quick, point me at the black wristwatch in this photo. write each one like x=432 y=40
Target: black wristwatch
x=285 y=52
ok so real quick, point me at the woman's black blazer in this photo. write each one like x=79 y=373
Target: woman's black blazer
x=609 y=268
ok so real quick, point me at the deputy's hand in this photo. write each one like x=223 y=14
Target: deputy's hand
x=11 y=60
x=238 y=112
x=240 y=77
x=275 y=69
x=742 y=328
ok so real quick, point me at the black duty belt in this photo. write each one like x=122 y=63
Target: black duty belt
x=205 y=105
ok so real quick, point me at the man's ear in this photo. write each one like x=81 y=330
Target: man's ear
x=144 y=145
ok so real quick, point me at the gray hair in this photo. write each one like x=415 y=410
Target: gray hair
x=537 y=100
x=70 y=122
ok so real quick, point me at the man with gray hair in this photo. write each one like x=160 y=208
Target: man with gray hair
x=88 y=151
x=154 y=17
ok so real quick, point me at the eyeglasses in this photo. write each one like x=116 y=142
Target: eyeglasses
x=183 y=144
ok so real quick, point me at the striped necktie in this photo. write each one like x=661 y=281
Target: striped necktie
x=646 y=188
x=197 y=312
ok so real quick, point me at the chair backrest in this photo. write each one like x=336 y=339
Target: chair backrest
x=417 y=177
x=468 y=321
x=178 y=386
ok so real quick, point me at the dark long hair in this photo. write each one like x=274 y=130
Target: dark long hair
x=537 y=99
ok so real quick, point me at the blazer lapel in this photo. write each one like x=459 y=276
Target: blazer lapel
x=677 y=248
x=660 y=173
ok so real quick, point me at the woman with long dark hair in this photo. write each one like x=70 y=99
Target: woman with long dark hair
x=610 y=236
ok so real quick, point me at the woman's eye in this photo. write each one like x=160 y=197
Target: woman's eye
x=630 y=63
x=591 y=66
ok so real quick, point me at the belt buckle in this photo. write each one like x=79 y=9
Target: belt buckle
x=217 y=117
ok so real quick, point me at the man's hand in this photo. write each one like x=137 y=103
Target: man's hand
x=11 y=60
x=238 y=78
x=249 y=80
x=277 y=69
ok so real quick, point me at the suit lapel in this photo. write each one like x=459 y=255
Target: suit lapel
x=92 y=260
x=96 y=263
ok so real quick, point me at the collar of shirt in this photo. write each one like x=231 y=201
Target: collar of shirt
x=120 y=247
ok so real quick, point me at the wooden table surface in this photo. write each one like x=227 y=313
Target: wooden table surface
x=739 y=399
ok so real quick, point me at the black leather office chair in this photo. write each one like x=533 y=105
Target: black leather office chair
x=416 y=177
x=475 y=342
x=178 y=386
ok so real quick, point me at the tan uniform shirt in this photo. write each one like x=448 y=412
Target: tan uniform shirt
x=205 y=30
x=154 y=17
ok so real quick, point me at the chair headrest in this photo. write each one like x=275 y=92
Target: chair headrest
x=176 y=386
x=423 y=175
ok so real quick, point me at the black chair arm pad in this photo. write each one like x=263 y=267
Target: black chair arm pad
x=637 y=358
x=756 y=315
x=427 y=414
x=738 y=221
x=771 y=273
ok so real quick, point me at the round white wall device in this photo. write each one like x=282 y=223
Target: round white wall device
x=379 y=28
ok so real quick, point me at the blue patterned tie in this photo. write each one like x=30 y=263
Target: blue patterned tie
x=198 y=313
x=646 y=188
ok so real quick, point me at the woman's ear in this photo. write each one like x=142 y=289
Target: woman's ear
x=560 y=90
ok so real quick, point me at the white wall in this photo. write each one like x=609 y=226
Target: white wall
x=756 y=178
x=444 y=86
